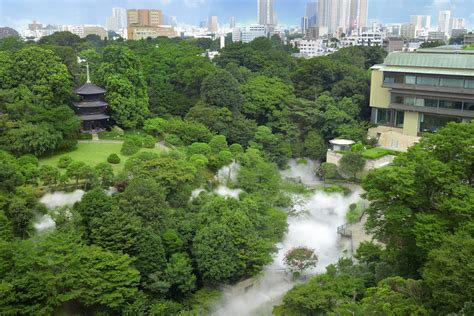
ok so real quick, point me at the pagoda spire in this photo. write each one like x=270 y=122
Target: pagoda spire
x=88 y=75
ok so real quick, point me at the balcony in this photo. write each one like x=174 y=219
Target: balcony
x=432 y=90
x=432 y=110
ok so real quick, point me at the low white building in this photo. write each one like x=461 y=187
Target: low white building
x=248 y=33
x=363 y=39
x=311 y=48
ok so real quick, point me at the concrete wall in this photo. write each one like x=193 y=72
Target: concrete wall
x=393 y=138
x=410 y=124
x=334 y=157
x=379 y=97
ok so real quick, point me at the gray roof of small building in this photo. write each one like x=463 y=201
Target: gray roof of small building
x=94 y=117
x=91 y=104
x=89 y=88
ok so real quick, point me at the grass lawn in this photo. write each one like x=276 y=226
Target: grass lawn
x=376 y=152
x=92 y=154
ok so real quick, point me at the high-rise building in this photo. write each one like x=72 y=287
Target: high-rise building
x=304 y=24
x=408 y=31
x=266 y=13
x=421 y=22
x=359 y=14
x=444 y=18
x=232 y=22
x=121 y=15
x=312 y=13
x=456 y=24
x=213 y=24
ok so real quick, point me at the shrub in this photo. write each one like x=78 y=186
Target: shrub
x=130 y=147
x=149 y=142
x=113 y=159
x=199 y=148
x=236 y=149
x=173 y=140
x=354 y=213
x=199 y=160
x=64 y=162
x=117 y=131
x=328 y=171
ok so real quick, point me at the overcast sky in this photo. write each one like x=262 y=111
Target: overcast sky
x=17 y=13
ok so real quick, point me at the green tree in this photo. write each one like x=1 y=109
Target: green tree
x=221 y=89
x=351 y=164
x=314 y=146
x=49 y=175
x=179 y=273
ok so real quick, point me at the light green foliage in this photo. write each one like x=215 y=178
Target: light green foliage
x=218 y=143
x=105 y=174
x=275 y=149
x=199 y=149
x=179 y=273
x=354 y=213
x=155 y=126
x=236 y=149
x=188 y=132
x=375 y=153
x=220 y=89
x=64 y=162
x=131 y=146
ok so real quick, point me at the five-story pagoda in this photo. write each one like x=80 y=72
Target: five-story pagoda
x=91 y=109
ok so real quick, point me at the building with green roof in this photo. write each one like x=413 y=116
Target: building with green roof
x=417 y=92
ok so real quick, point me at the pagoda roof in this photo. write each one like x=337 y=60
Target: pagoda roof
x=91 y=104
x=89 y=88
x=94 y=117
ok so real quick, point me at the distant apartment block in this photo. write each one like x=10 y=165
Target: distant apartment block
x=418 y=92
x=144 y=23
x=393 y=44
x=213 y=24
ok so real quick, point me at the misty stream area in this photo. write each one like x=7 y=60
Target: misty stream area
x=312 y=222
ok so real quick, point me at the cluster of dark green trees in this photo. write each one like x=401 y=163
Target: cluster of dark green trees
x=422 y=216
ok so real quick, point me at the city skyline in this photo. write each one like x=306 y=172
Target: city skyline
x=18 y=13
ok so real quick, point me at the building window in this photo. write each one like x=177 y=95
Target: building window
x=469 y=83
x=431 y=123
x=399 y=118
x=451 y=82
x=432 y=103
x=469 y=106
x=382 y=117
x=410 y=79
x=450 y=104
x=427 y=81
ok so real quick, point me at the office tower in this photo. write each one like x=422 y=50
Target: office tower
x=444 y=18
x=121 y=15
x=232 y=22
x=304 y=24
x=213 y=25
x=312 y=13
x=266 y=14
x=421 y=22
x=359 y=14
x=456 y=24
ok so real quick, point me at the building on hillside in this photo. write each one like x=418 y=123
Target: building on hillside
x=91 y=108
x=418 y=92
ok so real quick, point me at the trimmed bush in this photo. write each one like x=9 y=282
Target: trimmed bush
x=64 y=162
x=130 y=147
x=236 y=149
x=149 y=142
x=113 y=159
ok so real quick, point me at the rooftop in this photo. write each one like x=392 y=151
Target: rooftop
x=432 y=58
x=89 y=88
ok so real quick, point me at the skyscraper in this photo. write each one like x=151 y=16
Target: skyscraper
x=336 y=14
x=312 y=13
x=232 y=22
x=213 y=24
x=421 y=22
x=444 y=18
x=359 y=14
x=266 y=13
x=121 y=15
